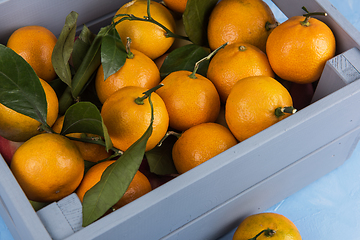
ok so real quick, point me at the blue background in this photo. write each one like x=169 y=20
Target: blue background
x=329 y=208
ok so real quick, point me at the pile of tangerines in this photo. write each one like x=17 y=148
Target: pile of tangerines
x=160 y=90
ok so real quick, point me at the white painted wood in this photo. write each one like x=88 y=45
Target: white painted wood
x=209 y=200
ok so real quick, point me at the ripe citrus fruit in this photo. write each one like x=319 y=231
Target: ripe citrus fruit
x=89 y=151
x=48 y=167
x=243 y=21
x=137 y=71
x=17 y=127
x=200 y=143
x=234 y=62
x=138 y=187
x=189 y=101
x=146 y=37
x=253 y=105
x=35 y=44
x=176 y=5
x=127 y=121
x=267 y=226
x=298 y=51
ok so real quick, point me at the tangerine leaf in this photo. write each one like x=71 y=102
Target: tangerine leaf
x=184 y=58
x=195 y=19
x=81 y=46
x=85 y=117
x=64 y=47
x=88 y=66
x=20 y=87
x=113 y=53
x=160 y=158
x=115 y=179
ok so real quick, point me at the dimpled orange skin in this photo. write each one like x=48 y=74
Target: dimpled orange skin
x=35 y=44
x=239 y=21
x=200 y=143
x=254 y=224
x=189 y=101
x=17 y=127
x=234 y=62
x=176 y=5
x=127 y=121
x=48 y=167
x=146 y=37
x=138 y=71
x=250 y=107
x=138 y=187
x=298 y=53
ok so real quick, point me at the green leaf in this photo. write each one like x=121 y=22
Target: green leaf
x=184 y=58
x=196 y=17
x=113 y=53
x=85 y=117
x=63 y=49
x=115 y=179
x=20 y=87
x=160 y=158
x=81 y=46
x=88 y=66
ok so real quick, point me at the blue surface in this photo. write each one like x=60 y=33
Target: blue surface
x=329 y=208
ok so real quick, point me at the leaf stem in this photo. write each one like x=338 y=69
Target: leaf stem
x=208 y=57
x=140 y=100
x=168 y=133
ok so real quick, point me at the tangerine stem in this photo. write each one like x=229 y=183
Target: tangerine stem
x=269 y=26
x=309 y=14
x=129 y=55
x=208 y=57
x=267 y=232
x=168 y=133
x=280 y=111
x=140 y=100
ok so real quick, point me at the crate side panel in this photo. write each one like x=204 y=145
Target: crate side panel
x=270 y=191
x=23 y=218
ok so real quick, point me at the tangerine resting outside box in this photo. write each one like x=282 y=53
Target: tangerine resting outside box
x=204 y=203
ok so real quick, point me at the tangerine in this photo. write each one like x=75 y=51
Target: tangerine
x=234 y=62
x=147 y=37
x=48 y=167
x=189 y=100
x=176 y=5
x=127 y=121
x=138 y=187
x=243 y=21
x=200 y=143
x=267 y=225
x=138 y=70
x=256 y=103
x=299 y=48
x=35 y=44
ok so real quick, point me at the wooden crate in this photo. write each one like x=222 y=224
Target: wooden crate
x=211 y=199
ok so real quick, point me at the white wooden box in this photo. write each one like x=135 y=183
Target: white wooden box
x=210 y=200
